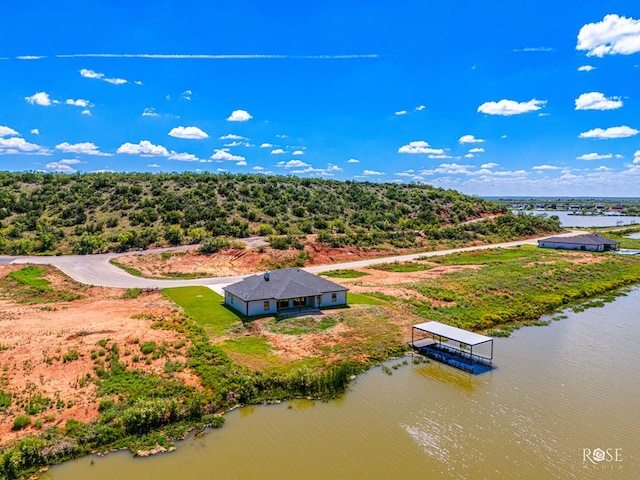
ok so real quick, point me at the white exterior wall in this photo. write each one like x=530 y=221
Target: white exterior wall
x=341 y=299
x=256 y=307
x=235 y=303
x=573 y=246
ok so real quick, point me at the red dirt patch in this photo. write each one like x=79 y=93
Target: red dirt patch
x=35 y=338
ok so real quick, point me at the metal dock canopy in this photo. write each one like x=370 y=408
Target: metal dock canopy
x=453 y=346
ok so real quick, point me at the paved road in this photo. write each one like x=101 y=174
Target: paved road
x=96 y=269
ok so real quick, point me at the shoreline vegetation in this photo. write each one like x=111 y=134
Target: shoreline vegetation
x=493 y=291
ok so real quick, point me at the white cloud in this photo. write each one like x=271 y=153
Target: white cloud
x=418 y=147
x=545 y=167
x=372 y=172
x=40 y=98
x=186 y=95
x=535 y=49
x=86 y=73
x=86 y=112
x=77 y=103
x=613 y=132
x=239 y=116
x=294 y=164
x=298 y=152
x=183 y=157
x=597 y=101
x=419 y=108
x=586 y=68
x=469 y=139
x=258 y=168
x=189 y=133
x=7 y=132
x=86 y=148
x=266 y=145
x=35 y=131
x=30 y=57
x=241 y=163
x=438 y=156
x=145 y=149
x=477 y=150
x=235 y=143
x=636 y=157
x=223 y=154
x=333 y=168
x=602 y=168
x=91 y=74
x=115 y=81
x=15 y=145
x=150 y=112
x=153 y=165
x=277 y=151
x=594 y=156
x=138 y=82
x=489 y=165
x=174 y=56
x=401 y=112
x=63 y=166
x=353 y=160
x=468 y=155
x=232 y=136
x=510 y=107
x=613 y=35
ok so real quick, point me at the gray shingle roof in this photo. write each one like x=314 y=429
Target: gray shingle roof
x=283 y=283
x=584 y=240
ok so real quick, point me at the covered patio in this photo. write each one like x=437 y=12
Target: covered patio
x=453 y=346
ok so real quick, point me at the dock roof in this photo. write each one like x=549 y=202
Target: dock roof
x=453 y=333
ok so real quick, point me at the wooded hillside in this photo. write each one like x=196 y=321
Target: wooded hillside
x=88 y=213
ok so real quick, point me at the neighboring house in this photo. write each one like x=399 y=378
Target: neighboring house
x=287 y=289
x=591 y=243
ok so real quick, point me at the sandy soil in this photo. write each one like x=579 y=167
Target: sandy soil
x=34 y=339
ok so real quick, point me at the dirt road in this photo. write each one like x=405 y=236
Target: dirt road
x=96 y=269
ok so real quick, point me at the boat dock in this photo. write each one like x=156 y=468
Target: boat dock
x=453 y=346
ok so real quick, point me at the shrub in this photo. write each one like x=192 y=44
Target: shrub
x=20 y=422
x=70 y=356
x=148 y=347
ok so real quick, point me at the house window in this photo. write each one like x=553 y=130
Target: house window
x=299 y=301
x=334 y=297
x=231 y=299
x=266 y=305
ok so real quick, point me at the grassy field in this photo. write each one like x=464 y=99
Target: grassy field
x=344 y=273
x=516 y=286
x=402 y=267
x=205 y=307
x=363 y=299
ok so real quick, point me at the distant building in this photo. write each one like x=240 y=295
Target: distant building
x=281 y=291
x=590 y=243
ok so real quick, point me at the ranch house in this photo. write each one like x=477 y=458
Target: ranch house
x=590 y=243
x=281 y=291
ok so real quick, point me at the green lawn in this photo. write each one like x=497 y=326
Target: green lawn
x=205 y=307
x=362 y=299
x=345 y=273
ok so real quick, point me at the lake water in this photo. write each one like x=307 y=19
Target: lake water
x=586 y=221
x=557 y=390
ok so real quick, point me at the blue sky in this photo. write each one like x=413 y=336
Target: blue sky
x=488 y=98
